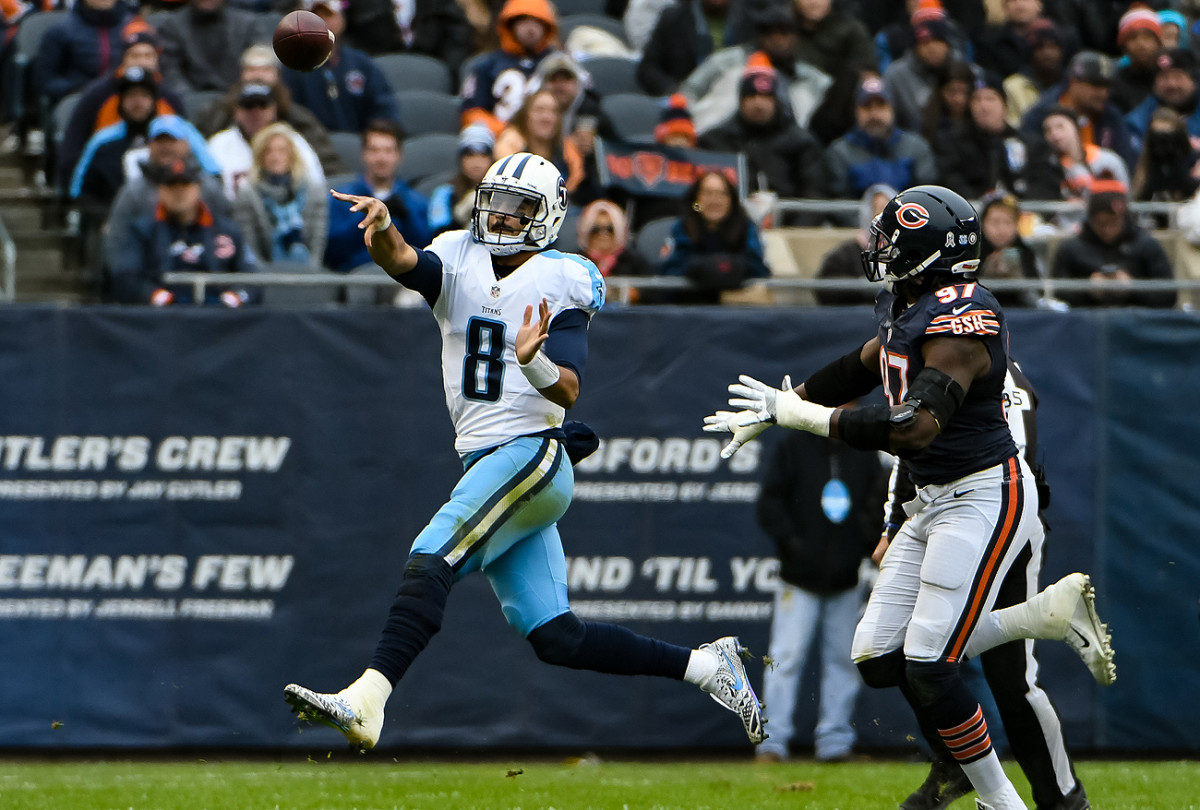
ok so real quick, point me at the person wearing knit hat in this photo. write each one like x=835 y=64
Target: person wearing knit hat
x=97 y=105
x=1139 y=35
x=675 y=125
x=896 y=38
x=781 y=157
x=1175 y=88
x=1174 y=29
x=1110 y=250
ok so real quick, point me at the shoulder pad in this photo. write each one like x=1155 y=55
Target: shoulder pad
x=582 y=286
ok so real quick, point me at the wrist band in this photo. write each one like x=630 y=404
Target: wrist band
x=387 y=223
x=542 y=372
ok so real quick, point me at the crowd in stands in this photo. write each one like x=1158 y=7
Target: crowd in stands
x=170 y=123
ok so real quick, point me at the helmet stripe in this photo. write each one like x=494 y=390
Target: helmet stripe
x=521 y=166
x=500 y=168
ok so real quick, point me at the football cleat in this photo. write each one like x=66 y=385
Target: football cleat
x=731 y=688
x=945 y=784
x=1072 y=602
x=361 y=724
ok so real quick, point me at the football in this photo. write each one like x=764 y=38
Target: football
x=302 y=41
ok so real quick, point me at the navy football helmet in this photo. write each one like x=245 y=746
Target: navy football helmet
x=924 y=229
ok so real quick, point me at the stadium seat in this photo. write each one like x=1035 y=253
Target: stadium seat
x=348 y=145
x=57 y=126
x=652 y=237
x=427 y=184
x=361 y=296
x=340 y=180
x=570 y=8
x=612 y=74
x=468 y=65
x=279 y=296
x=568 y=23
x=633 y=115
x=425 y=111
x=25 y=47
x=414 y=71
x=429 y=154
x=155 y=19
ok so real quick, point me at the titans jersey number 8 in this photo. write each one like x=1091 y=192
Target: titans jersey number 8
x=489 y=399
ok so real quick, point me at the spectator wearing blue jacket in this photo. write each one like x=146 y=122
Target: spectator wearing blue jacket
x=1174 y=88
x=347 y=92
x=875 y=151
x=100 y=171
x=383 y=152
x=714 y=244
x=85 y=45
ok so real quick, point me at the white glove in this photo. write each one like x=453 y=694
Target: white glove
x=773 y=405
x=730 y=422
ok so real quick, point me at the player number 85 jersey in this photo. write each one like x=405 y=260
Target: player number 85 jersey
x=489 y=399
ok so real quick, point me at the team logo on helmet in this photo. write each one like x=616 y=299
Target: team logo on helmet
x=912 y=216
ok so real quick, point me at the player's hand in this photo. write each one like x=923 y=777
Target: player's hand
x=731 y=422
x=531 y=335
x=778 y=406
x=375 y=213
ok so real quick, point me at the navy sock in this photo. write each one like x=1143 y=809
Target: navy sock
x=415 y=616
x=601 y=647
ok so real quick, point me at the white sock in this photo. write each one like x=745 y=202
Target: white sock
x=992 y=784
x=702 y=668
x=372 y=688
x=1028 y=619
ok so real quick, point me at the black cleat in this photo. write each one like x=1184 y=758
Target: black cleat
x=945 y=784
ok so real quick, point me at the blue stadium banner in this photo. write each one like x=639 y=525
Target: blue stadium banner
x=655 y=170
x=197 y=507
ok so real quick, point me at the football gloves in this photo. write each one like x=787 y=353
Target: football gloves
x=777 y=406
x=744 y=425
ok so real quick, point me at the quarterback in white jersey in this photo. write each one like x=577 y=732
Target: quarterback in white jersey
x=479 y=313
x=509 y=378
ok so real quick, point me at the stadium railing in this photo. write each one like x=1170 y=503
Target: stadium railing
x=8 y=265
x=623 y=285
x=1044 y=207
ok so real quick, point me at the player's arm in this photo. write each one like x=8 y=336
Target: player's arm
x=556 y=382
x=845 y=379
x=842 y=381
x=384 y=242
x=951 y=364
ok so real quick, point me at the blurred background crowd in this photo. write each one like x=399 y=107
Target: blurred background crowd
x=170 y=137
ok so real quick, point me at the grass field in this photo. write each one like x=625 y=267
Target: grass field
x=338 y=782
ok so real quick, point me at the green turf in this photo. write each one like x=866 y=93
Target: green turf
x=375 y=782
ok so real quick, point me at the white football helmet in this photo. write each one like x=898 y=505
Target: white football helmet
x=524 y=187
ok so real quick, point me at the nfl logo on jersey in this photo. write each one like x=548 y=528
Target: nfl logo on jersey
x=495 y=291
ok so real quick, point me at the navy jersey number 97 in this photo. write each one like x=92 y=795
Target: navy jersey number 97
x=483 y=367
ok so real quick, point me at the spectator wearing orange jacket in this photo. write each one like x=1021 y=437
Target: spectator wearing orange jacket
x=494 y=91
x=97 y=105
